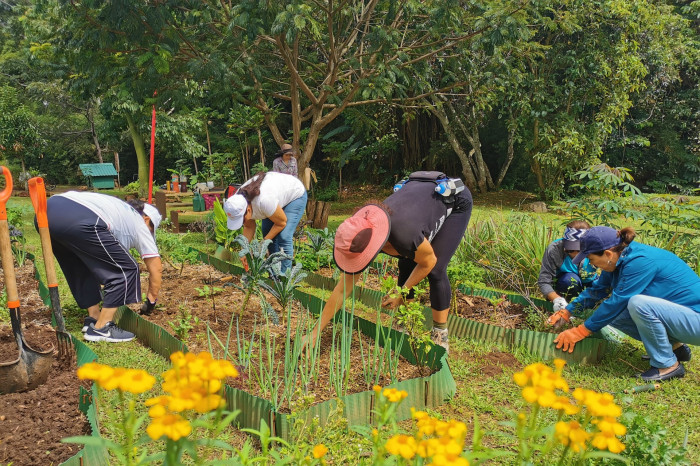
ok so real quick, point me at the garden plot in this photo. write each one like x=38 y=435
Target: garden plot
x=34 y=422
x=204 y=308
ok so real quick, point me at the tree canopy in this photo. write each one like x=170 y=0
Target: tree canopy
x=505 y=94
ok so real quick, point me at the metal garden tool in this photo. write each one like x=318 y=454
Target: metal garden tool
x=31 y=368
x=37 y=192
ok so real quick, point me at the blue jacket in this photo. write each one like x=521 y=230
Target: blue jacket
x=641 y=270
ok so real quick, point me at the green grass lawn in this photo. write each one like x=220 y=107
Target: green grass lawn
x=493 y=399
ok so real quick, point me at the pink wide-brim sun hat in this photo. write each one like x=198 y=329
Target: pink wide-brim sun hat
x=360 y=238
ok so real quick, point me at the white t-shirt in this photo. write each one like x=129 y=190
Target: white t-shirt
x=122 y=220
x=276 y=189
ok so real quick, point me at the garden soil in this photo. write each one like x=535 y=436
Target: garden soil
x=187 y=306
x=32 y=423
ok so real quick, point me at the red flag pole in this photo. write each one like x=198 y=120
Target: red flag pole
x=153 y=150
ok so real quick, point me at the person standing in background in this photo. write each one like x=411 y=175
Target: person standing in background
x=285 y=161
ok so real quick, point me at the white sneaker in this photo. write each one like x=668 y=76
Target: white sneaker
x=439 y=337
x=109 y=332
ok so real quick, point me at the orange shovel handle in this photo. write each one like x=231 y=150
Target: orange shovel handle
x=37 y=193
x=6 y=193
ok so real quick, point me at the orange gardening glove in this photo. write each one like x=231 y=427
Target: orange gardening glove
x=569 y=338
x=559 y=318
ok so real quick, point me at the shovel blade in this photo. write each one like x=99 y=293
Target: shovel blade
x=14 y=376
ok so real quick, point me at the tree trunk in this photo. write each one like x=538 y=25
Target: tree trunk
x=469 y=178
x=141 y=156
x=535 y=164
x=510 y=155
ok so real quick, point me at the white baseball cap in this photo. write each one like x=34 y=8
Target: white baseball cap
x=152 y=213
x=235 y=207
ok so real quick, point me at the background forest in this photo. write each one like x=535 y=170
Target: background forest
x=528 y=95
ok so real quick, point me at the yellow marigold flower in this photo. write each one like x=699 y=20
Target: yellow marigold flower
x=172 y=426
x=157 y=411
x=559 y=364
x=375 y=433
x=402 y=445
x=319 y=451
x=94 y=371
x=377 y=388
x=610 y=425
x=418 y=415
x=571 y=434
x=136 y=381
x=426 y=426
x=563 y=403
x=209 y=403
x=540 y=395
x=394 y=395
x=607 y=441
x=446 y=459
x=113 y=381
x=422 y=449
x=603 y=405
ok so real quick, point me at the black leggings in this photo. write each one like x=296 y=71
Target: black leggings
x=444 y=245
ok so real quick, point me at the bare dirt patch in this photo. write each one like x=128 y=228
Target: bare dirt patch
x=33 y=423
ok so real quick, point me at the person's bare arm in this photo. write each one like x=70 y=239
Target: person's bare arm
x=425 y=260
x=279 y=220
x=155 y=277
x=249 y=229
x=341 y=291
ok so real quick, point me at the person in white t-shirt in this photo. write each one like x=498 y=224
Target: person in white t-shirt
x=91 y=235
x=279 y=200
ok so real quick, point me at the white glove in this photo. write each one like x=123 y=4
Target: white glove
x=559 y=304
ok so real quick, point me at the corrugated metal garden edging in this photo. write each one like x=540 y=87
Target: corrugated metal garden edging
x=87 y=400
x=423 y=392
x=588 y=351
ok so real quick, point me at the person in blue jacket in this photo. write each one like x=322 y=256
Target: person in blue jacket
x=648 y=293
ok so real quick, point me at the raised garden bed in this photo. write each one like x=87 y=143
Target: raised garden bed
x=178 y=306
x=34 y=422
x=502 y=325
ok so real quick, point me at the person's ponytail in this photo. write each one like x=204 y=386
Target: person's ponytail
x=626 y=236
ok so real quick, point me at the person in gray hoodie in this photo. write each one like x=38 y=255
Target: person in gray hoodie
x=560 y=279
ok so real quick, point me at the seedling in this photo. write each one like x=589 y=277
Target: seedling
x=209 y=292
x=185 y=322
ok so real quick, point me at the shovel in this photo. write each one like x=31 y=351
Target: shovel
x=37 y=192
x=31 y=368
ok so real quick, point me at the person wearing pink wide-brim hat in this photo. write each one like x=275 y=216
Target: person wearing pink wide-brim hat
x=418 y=226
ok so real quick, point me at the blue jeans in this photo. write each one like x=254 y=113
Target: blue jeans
x=284 y=241
x=659 y=324
x=569 y=285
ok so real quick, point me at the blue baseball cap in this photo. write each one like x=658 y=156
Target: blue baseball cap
x=595 y=240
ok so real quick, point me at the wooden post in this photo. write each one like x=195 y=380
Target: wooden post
x=310 y=209
x=175 y=221
x=320 y=219
x=161 y=203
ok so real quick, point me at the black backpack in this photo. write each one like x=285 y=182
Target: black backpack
x=444 y=185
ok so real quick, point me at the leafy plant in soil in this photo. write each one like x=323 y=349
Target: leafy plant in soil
x=173 y=249
x=320 y=241
x=409 y=316
x=209 y=292
x=259 y=264
x=185 y=322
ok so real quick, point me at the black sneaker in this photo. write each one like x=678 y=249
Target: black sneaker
x=109 y=332
x=683 y=353
x=87 y=323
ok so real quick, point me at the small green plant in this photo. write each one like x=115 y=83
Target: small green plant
x=4 y=310
x=321 y=243
x=409 y=316
x=18 y=245
x=185 y=322
x=209 y=292
x=173 y=250
x=260 y=264
x=647 y=443
x=282 y=288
